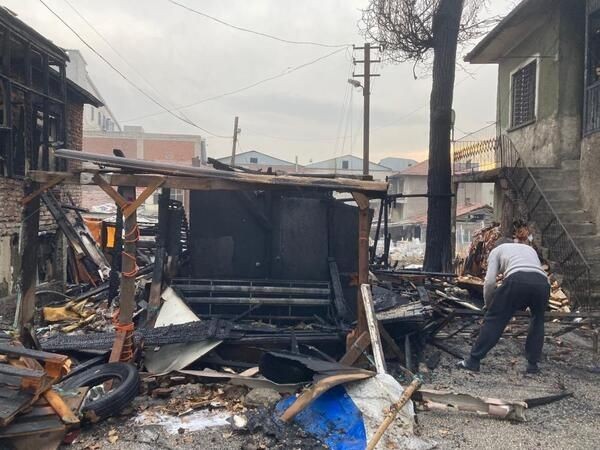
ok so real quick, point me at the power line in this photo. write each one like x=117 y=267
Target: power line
x=258 y=33
x=135 y=86
x=476 y=131
x=245 y=88
x=116 y=51
x=345 y=104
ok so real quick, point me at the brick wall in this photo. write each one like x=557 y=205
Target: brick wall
x=11 y=194
x=170 y=151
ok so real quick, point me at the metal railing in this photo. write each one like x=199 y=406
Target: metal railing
x=501 y=154
x=476 y=156
x=591 y=121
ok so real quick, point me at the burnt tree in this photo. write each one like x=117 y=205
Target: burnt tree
x=438 y=246
x=409 y=30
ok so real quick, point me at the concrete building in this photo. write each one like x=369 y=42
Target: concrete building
x=35 y=117
x=256 y=160
x=548 y=119
x=397 y=164
x=184 y=149
x=95 y=118
x=349 y=165
x=414 y=181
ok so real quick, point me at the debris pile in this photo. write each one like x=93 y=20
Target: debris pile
x=31 y=404
x=474 y=267
x=239 y=314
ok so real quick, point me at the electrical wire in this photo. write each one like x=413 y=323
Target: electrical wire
x=258 y=33
x=476 y=131
x=117 y=52
x=245 y=88
x=345 y=105
x=122 y=75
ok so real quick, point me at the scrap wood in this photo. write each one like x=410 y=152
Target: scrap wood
x=457 y=300
x=540 y=401
x=33 y=379
x=446 y=349
x=317 y=389
x=448 y=400
x=247 y=378
x=393 y=412
x=34 y=429
x=356 y=349
x=62 y=409
x=373 y=327
x=70 y=311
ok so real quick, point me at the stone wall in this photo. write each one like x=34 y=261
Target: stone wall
x=557 y=47
x=590 y=170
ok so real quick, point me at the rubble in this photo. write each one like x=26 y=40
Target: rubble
x=328 y=360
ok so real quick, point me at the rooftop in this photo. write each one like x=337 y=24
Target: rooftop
x=420 y=169
x=523 y=20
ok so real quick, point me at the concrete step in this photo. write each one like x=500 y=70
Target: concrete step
x=587 y=244
x=577 y=216
x=562 y=182
x=556 y=178
x=595 y=298
x=591 y=253
x=581 y=229
x=564 y=207
x=570 y=164
x=562 y=194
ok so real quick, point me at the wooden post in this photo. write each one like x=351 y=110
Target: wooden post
x=62 y=164
x=46 y=108
x=28 y=248
x=393 y=412
x=363 y=258
x=113 y=279
x=159 y=260
x=373 y=325
x=122 y=348
x=454 y=206
x=6 y=69
x=128 y=264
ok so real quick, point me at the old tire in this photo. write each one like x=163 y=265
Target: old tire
x=125 y=388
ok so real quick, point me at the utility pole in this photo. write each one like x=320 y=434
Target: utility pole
x=366 y=98
x=236 y=130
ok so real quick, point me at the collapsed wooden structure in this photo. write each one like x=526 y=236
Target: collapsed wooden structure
x=108 y=172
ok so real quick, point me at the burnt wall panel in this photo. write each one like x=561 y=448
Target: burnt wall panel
x=300 y=239
x=278 y=234
x=227 y=240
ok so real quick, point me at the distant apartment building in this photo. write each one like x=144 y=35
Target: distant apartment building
x=102 y=133
x=411 y=212
x=94 y=118
x=183 y=149
x=255 y=160
x=349 y=165
x=397 y=164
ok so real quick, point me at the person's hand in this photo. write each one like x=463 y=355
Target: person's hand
x=499 y=277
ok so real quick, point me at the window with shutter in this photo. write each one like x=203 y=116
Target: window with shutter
x=523 y=95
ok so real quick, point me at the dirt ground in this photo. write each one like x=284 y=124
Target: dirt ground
x=571 y=423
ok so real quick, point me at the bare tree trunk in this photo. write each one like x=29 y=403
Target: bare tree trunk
x=438 y=249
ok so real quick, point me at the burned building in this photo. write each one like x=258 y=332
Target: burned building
x=40 y=109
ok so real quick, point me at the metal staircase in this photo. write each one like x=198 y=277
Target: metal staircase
x=553 y=202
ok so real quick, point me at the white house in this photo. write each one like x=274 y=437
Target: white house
x=94 y=119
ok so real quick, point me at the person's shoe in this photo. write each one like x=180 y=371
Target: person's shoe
x=532 y=368
x=469 y=364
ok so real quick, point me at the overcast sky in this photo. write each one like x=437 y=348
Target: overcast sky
x=311 y=113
